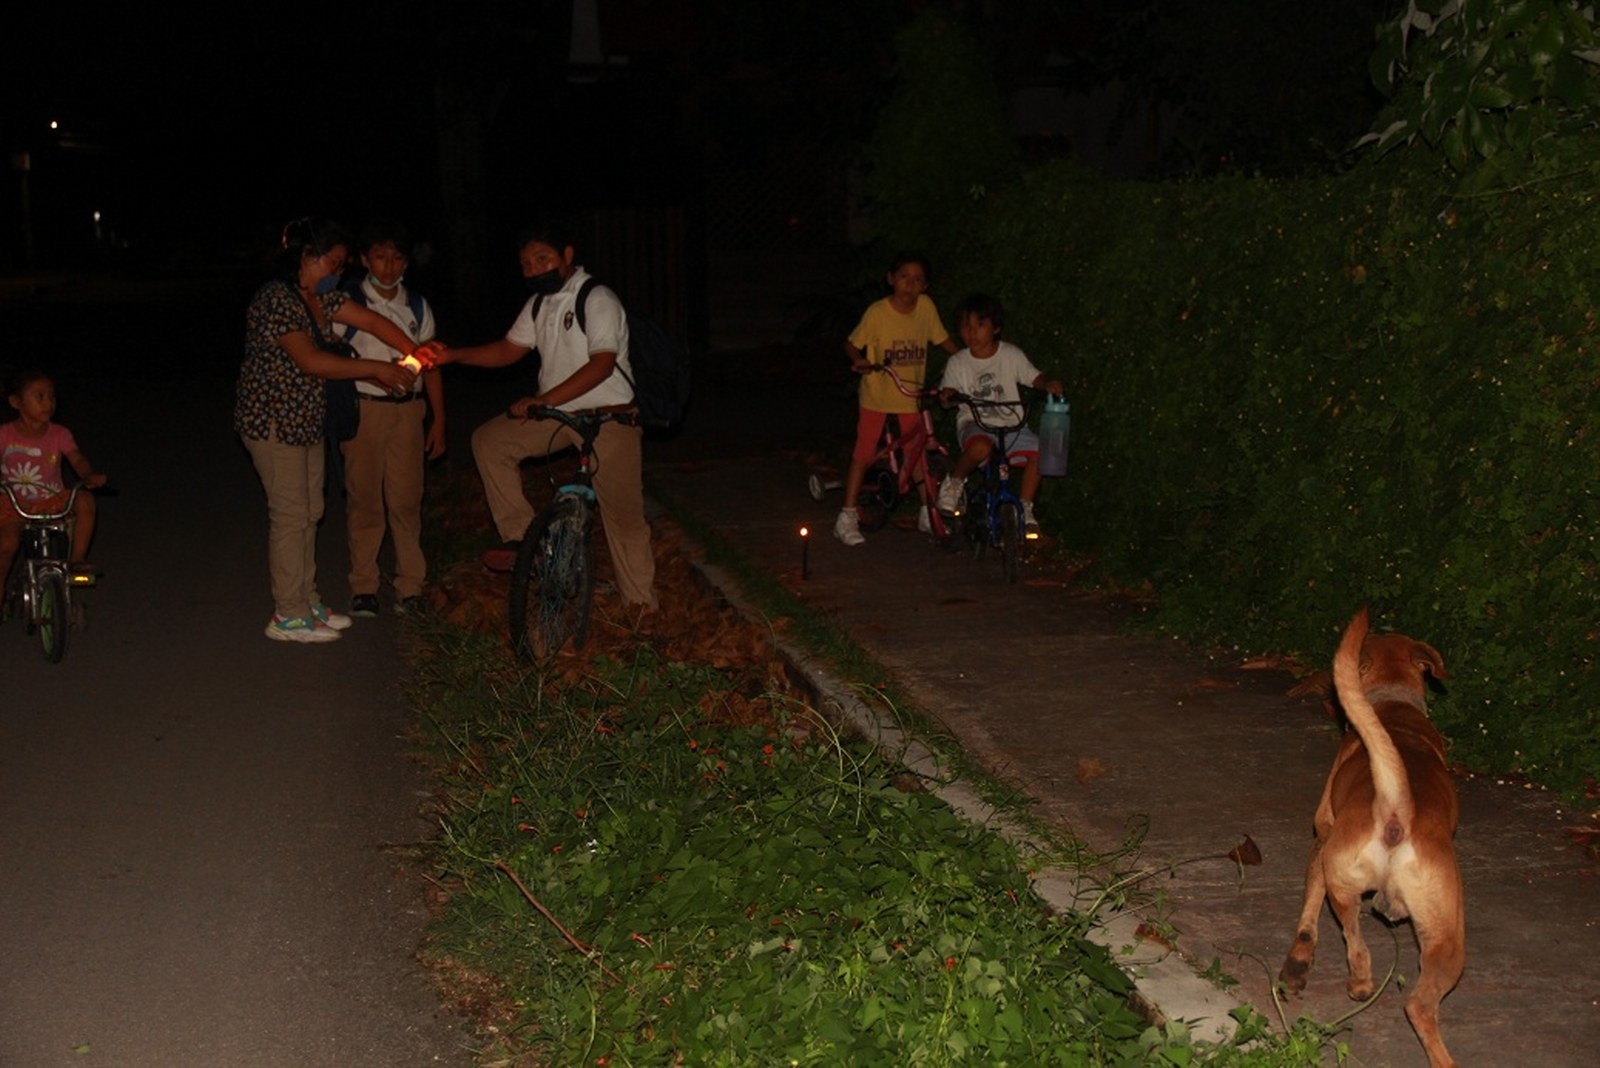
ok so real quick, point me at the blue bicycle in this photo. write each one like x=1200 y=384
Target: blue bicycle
x=991 y=512
x=552 y=582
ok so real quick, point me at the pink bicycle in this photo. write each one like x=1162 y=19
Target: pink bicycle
x=891 y=476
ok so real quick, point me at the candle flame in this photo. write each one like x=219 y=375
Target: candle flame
x=805 y=532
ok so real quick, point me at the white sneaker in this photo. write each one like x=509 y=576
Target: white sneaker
x=924 y=523
x=950 y=495
x=1030 y=525
x=300 y=629
x=847 y=528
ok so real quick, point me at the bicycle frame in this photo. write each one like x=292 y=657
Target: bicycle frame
x=41 y=582
x=993 y=511
x=905 y=454
x=552 y=583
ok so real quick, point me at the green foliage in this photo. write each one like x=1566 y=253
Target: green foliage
x=1481 y=79
x=942 y=139
x=1294 y=398
x=744 y=897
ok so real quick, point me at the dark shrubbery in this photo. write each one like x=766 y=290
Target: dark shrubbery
x=1294 y=398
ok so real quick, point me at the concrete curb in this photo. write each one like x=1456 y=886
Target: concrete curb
x=1168 y=988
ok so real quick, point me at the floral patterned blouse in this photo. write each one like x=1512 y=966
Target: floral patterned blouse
x=273 y=393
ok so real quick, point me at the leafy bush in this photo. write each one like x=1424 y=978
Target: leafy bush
x=1294 y=398
x=1492 y=87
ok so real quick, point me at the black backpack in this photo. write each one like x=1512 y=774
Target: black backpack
x=660 y=362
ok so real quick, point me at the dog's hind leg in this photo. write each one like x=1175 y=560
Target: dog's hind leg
x=1346 y=902
x=1441 y=932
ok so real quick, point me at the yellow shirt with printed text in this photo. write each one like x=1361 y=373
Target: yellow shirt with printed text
x=887 y=336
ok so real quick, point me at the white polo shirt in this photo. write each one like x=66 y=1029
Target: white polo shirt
x=564 y=348
x=397 y=311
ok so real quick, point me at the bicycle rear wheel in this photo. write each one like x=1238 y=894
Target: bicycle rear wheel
x=50 y=616
x=1009 y=518
x=552 y=584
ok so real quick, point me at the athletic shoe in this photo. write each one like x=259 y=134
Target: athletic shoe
x=502 y=557
x=329 y=618
x=950 y=495
x=924 y=523
x=847 y=528
x=300 y=629
x=407 y=606
x=1030 y=525
x=364 y=605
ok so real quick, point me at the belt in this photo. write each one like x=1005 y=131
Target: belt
x=408 y=398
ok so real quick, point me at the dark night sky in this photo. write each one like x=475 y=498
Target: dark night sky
x=192 y=131
x=206 y=126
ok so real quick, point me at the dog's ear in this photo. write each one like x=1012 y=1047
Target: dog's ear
x=1428 y=659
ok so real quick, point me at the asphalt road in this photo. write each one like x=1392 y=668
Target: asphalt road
x=204 y=833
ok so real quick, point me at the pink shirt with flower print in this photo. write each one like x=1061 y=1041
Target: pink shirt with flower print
x=32 y=466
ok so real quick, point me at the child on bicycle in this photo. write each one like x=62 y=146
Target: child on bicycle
x=896 y=331
x=992 y=370
x=31 y=450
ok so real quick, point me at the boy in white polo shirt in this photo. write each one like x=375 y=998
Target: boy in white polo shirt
x=578 y=370
x=383 y=462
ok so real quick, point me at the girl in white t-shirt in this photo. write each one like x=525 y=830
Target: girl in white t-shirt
x=990 y=369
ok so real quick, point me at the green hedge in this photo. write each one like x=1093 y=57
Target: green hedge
x=1293 y=398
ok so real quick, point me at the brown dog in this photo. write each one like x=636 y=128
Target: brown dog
x=1387 y=822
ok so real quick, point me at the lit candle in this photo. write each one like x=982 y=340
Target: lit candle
x=805 y=552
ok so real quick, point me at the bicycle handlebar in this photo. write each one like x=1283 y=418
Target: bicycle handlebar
x=577 y=419
x=977 y=406
x=66 y=509
x=899 y=383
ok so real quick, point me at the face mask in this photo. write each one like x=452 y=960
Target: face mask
x=326 y=284
x=378 y=283
x=545 y=284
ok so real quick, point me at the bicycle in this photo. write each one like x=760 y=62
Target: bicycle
x=991 y=513
x=42 y=579
x=889 y=475
x=552 y=582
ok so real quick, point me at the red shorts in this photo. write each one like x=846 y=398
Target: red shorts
x=869 y=433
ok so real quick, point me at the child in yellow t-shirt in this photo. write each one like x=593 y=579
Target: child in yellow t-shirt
x=896 y=331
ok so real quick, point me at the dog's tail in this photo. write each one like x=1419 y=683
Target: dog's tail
x=1392 y=805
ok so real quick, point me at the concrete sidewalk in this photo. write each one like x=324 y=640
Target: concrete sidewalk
x=1118 y=739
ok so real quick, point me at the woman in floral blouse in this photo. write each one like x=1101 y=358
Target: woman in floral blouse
x=281 y=401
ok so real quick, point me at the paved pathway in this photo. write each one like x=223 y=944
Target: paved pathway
x=203 y=833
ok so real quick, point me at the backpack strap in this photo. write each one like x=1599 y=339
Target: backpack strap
x=581 y=310
x=360 y=298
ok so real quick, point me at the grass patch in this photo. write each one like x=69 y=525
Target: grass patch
x=658 y=854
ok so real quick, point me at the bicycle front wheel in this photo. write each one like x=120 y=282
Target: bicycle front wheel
x=50 y=616
x=880 y=492
x=1009 y=518
x=552 y=584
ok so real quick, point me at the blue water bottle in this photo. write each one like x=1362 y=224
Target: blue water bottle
x=1054 y=425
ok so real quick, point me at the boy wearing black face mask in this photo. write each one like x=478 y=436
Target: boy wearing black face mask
x=578 y=371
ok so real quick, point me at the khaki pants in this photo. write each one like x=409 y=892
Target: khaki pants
x=383 y=490
x=499 y=447
x=292 y=476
